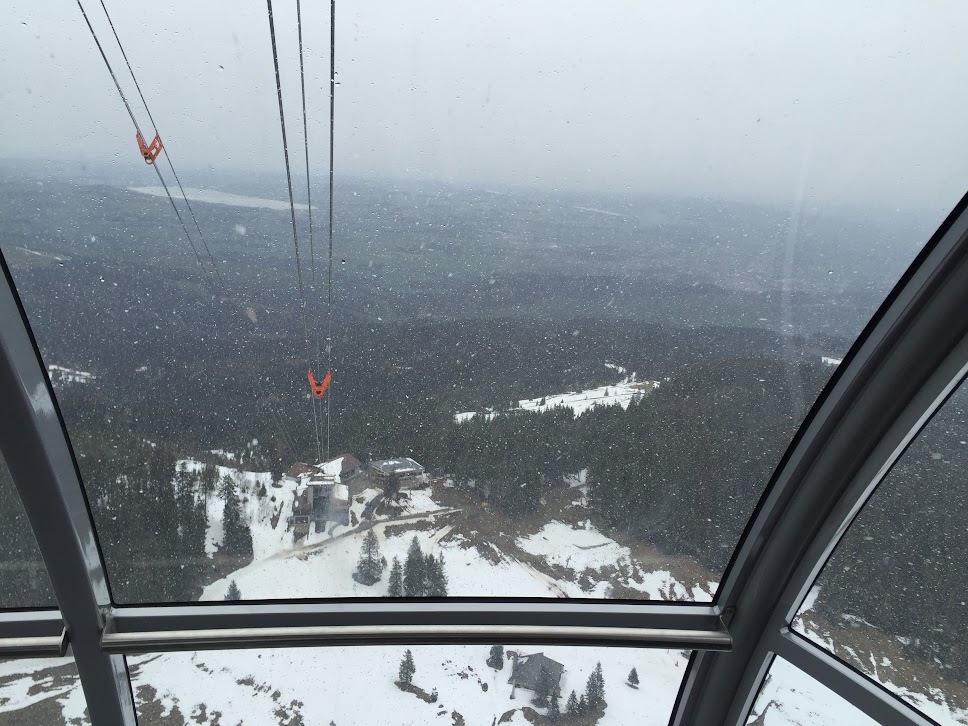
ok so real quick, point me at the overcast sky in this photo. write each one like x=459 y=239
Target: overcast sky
x=860 y=104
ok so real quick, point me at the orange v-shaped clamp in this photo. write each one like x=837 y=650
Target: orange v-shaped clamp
x=151 y=151
x=319 y=389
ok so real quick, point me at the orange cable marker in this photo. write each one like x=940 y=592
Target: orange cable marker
x=319 y=389
x=151 y=151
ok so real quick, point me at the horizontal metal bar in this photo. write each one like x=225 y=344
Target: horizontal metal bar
x=346 y=635
x=32 y=633
x=867 y=695
x=197 y=627
x=40 y=646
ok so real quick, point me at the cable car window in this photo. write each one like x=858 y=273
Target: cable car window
x=395 y=685
x=41 y=691
x=891 y=601
x=580 y=273
x=23 y=577
x=789 y=697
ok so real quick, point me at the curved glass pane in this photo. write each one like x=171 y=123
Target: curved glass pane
x=789 y=697
x=41 y=691
x=891 y=601
x=371 y=686
x=23 y=576
x=587 y=276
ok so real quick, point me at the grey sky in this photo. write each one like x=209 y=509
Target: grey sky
x=843 y=102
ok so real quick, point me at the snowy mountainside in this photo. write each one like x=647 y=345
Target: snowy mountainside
x=558 y=560
x=268 y=516
x=621 y=394
x=61 y=376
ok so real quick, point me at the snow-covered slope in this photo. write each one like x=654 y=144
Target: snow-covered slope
x=618 y=394
x=355 y=686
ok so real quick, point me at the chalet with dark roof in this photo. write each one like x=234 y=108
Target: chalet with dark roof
x=526 y=670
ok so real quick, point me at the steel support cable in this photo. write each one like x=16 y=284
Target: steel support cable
x=309 y=201
x=329 y=294
x=286 y=437
x=138 y=129
x=292 y=204
x=164 y=147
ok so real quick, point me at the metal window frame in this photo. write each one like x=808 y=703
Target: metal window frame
x=39 y=456
x=897 y=375
x=32 y=634
x=454 y=620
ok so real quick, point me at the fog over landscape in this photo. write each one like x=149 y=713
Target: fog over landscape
x=592 y=266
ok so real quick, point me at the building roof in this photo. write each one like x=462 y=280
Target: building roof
x=350 y=463
x=527 y=669
x=340 y=466
x=405 y=465
x=299 y=469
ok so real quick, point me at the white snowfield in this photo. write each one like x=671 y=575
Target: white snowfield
x=61 y=376
x=576 y=549
x=790 y=698
x=355 y=686
x=617 y=394
x=212 y=196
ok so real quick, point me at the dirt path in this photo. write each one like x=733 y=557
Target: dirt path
x=361 y=527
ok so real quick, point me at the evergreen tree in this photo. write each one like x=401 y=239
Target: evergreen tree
x=396 y=579
x=234 y=593
x=209 y=480
x=236 y=537
x=542 y=689
x=595 y=688
x=435 y=577
x=192 y=526
x=414 y=574
x=633 y=678
x=571 y=708
x=371 y=563
x=159 y=529
x=496 y=657
x=554 y=707
x=407 y=668
x=227 y=487
x=391 y=489
x=582 y=705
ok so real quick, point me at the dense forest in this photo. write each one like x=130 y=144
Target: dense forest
x=151 y=523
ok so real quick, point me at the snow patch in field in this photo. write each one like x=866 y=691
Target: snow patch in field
x=36 y=684
x=61 y=376
x=789 y=697
x=577 y=549
x=617 y=394
x=211 y=196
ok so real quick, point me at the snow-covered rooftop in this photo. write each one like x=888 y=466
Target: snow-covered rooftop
x=397 y=466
